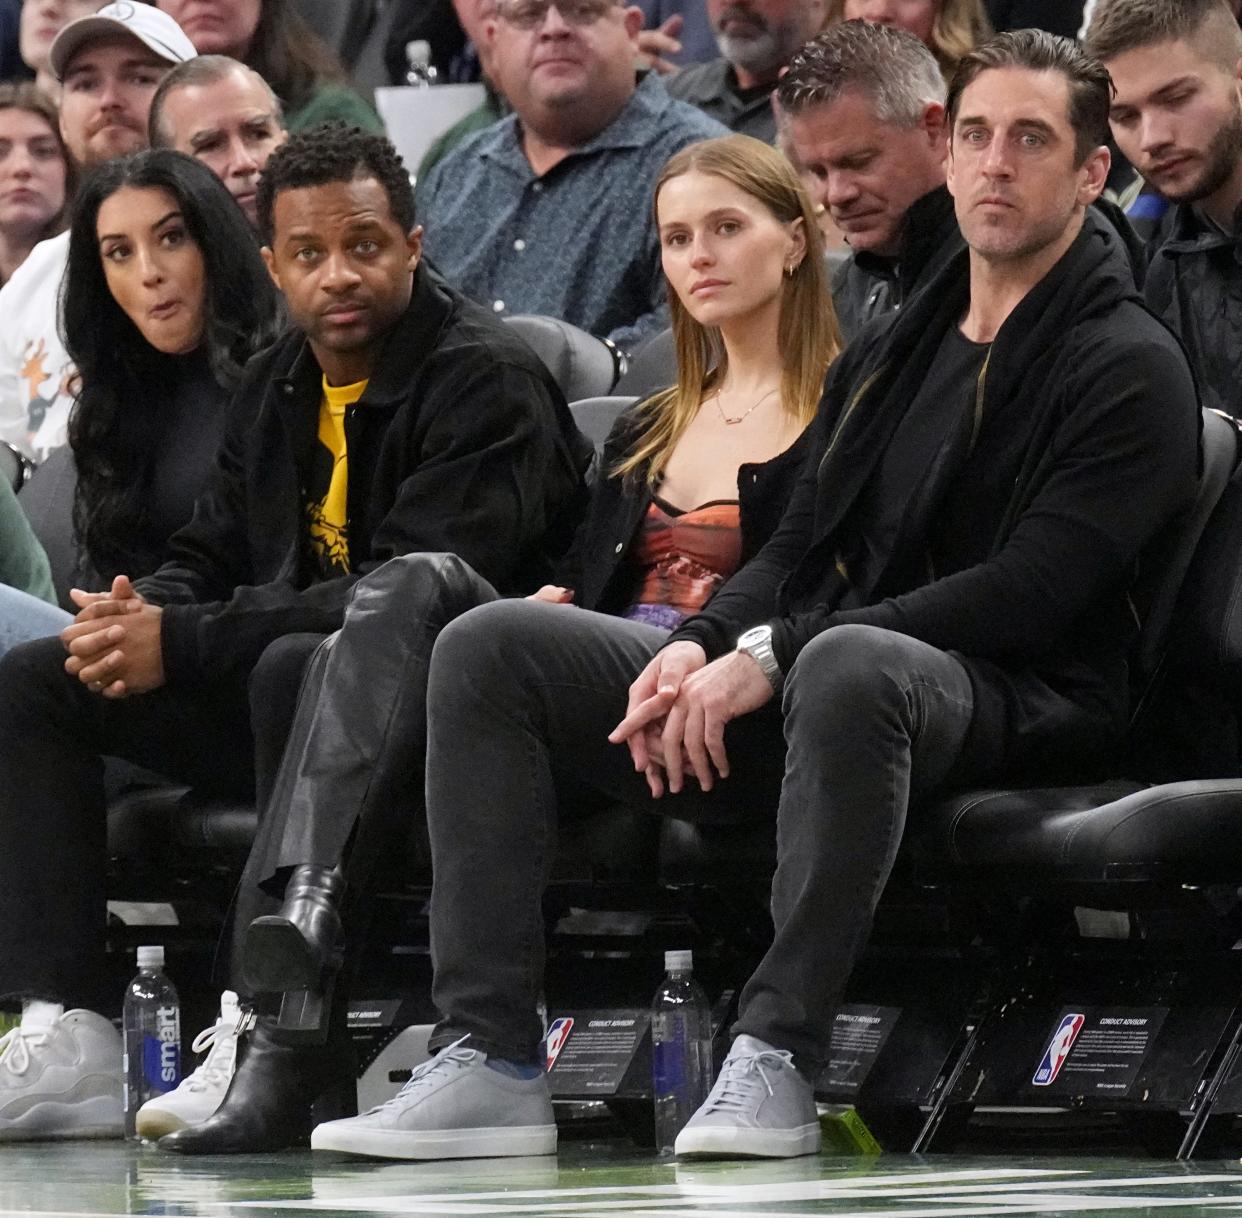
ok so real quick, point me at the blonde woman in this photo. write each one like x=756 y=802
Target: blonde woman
x=693 y=482
x=949 y=28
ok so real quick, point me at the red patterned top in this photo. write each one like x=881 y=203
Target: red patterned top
x=681 y=558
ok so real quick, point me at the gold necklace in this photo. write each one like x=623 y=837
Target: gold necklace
x=730 y=422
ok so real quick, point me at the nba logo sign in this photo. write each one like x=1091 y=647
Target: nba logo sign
x=555 y=1040
x=1058 y=1050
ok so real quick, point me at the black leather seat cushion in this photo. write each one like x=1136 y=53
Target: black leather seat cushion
x=1188 y=832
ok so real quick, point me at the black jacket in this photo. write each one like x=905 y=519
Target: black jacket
x=869 y=285
x=597 y=567
x=462 y=443
x=1082 y=443
x=1194 y=282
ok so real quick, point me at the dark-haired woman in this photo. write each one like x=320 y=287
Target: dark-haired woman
x=165 y=298
x=693 y=482
x=272 y=38
x=159 y=322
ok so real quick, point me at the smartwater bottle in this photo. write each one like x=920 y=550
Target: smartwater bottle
x=681 y=1049
x=420 y=71
x=152 y=1023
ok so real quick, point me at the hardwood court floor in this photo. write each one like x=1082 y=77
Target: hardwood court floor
x=601 y=1180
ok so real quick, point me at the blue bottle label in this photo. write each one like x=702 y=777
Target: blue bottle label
x=161 y=1053
x=669 y=1067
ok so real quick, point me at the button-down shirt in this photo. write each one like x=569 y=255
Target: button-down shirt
x=577 y=242
x=714 y=89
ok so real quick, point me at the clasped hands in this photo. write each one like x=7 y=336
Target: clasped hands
x=678 y=708
x=114 y=642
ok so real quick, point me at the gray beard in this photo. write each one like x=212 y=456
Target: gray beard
x=756 y=55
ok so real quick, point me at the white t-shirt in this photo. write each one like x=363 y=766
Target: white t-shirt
x=34 y=367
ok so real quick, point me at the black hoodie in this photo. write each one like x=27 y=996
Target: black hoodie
x=1082 y=443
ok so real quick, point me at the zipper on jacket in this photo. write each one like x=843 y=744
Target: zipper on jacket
x=978 y=419
x=849 y=410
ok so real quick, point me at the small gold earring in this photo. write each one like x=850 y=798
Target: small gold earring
x=789 y=270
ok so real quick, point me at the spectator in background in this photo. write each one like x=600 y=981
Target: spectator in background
x=1177 y=117
x=36 y=175
x=949 y=28
x=163 y=305
x=109 y=64
x=756 y=39
x=270 y=37
x=41 y=21
x=862 y=109
x=224 y=114
x=547 y=211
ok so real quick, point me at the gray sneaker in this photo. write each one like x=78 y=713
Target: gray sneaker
x=760 y=1106
x=454 y=1106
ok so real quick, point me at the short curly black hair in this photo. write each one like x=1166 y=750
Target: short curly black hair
x=334 y=152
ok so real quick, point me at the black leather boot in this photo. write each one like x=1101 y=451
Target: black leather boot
x=298 y=947
x=278 y=1094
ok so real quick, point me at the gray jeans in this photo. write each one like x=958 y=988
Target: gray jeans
x=522 y=695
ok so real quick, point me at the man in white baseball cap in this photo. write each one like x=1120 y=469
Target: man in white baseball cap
x=110 y=64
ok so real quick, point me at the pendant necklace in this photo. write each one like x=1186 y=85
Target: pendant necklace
x=735 y=419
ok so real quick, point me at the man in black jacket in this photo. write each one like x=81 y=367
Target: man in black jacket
x=862 y=111
x=401 y=418
x=946 y=599
x=1177 y=117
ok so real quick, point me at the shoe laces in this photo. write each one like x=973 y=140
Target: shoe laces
x=450 y=1057
x=15 y=1047
x=216 y=1068
x=735 y=1088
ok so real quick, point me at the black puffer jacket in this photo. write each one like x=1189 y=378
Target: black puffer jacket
x=1194 y=282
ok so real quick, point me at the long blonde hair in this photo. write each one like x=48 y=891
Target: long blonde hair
x=960 y=26
x=808 y=337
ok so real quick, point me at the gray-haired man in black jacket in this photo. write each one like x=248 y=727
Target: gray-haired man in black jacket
x=946 y=598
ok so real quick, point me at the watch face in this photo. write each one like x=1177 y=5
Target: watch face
x=756 y=634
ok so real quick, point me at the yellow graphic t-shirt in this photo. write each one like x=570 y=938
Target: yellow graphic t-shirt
x=326 y=519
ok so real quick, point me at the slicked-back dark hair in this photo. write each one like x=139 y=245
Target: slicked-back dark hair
x=121 y=377
x=1118 y=26
x=334 y=152
x=1090 y=86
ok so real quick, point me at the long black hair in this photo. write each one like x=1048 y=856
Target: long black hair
x=116 y=421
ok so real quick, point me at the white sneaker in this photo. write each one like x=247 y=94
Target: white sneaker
x=199 y=1094
x=454 y=1106
x=61 y=1079
x=760 y=1106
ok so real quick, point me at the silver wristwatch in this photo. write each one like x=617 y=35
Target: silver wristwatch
x=757 y=643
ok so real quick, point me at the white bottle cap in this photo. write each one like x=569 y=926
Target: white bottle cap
x=679 y=962
x=418 y=53
x=151 y=957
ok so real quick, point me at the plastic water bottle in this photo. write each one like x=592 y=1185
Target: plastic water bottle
x=421 y=72
x=152 y=1024
x=681 y=1049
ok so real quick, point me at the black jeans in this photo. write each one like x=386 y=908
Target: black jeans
x=350 y=786
x=54 y=734
x=522 y=695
